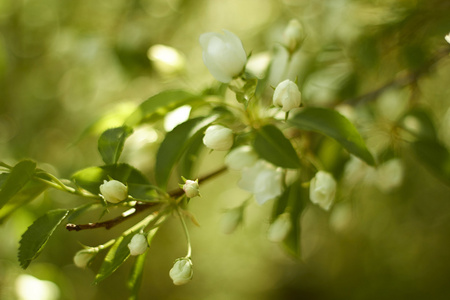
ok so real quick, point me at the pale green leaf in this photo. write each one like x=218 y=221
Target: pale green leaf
x=17 y=179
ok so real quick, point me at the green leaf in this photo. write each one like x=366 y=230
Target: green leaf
x=336 y=126
x=110 y=143
x=190 y=156
x=271 y=145
x=30 y=191
x=17 y=179
x=435 y=157
x=135 y=279
x=159 y=105
x=175 y=144
x=291 y=201
x=119 y=252
x=37 y=235
x=91 y=178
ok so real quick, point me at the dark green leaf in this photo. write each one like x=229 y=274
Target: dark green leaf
x=336 y=126
x=434 y=156
x=271 y=145
x=110 y=143
x=91 y=178
x=159 y=105
x=30 y=191
x=17 y=179
x=175 y=144
x=37 y=235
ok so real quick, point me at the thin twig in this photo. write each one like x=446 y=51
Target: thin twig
x=139 y=207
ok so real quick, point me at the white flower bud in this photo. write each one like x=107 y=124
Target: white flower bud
x=322 y=190
x=138 y=244
x=181 y=272
x=218 y=137
x=263 y=180
x=191 y=188
x=231 y=220
x=83 y=257
x=287 y=96
x=223 y=55
x=293 y=35
x=447 y=38
x=240 y=158
x=389 y=175
x=113 y=191
x=280 y=228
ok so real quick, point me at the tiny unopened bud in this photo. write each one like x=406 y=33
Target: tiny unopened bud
x=280 y=228
x=182 y=271
x=293 y=35
x=138 y=244
x=191 y=188
x=240 y=158
x=231 y=220
x=322 y=190
x=218 y=137
x=83 y=257
x=114 y=191
x=287 y=96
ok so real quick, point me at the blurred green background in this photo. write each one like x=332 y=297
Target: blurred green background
x=65 y=65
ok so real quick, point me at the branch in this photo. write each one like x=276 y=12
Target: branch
x=139 y=207
x=403 y=80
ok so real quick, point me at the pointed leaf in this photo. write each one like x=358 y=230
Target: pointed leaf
x=435 y=157
x=17 y=179
x=175 y=144
x=159 y=105
x=30 y=191
x=91 y=178
x=336 y=126
x=271 y=145
x=110 y=143
x=37 y=235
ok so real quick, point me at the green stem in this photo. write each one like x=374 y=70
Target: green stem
x=188 y=239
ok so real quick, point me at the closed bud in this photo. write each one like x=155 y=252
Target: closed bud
x=191 y=188
x=293 y=35
x=287 y=96
x=447 y=38
x=223 y=55
x=114 y=191
x=83 y=257
x=322 y=190
x=240 y=158
x=218 y=137
x=182 y=271
x=280 y=228
x=138 y=244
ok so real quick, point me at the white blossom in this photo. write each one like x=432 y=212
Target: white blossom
x=113 y=191
x=280 y=228
x=218 y=137
x=182 y=271
x=223 y=55
x=447 y=38
x=287 y=96
x=263 y=180
x=138 y=244
x=322 y=190
x=240 y=158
